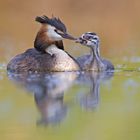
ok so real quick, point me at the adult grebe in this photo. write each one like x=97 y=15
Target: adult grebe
x=48 y=53
x=93 y=61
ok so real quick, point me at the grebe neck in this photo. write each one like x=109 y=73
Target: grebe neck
x=97 y=58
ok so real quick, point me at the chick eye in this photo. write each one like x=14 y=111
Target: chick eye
x=95 y=38
x=88 y=37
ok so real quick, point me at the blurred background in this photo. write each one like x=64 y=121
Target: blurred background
x=116 y=22
x=116 y=114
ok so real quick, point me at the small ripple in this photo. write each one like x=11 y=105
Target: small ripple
x=133 y=59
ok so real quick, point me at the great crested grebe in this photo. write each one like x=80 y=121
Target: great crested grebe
x=48 y=53
x=93 y=61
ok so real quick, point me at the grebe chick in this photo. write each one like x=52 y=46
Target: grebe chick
x=93 y=61
x=48 y=53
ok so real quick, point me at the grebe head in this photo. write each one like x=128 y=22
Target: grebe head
x=55 y=28
x=89 y=39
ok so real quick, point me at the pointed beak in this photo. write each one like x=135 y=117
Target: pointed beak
x=67 y=36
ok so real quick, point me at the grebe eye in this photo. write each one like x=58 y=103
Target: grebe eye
x=58 y=31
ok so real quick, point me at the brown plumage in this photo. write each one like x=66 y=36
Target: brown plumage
x=42 y=41
x=32 y=60
x=48 y=53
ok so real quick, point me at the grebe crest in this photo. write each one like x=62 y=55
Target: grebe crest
x=56 y=29
x=52 y=31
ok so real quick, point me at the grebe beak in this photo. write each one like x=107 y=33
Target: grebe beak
x=67 y=36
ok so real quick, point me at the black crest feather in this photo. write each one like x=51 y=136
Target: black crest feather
x=56 y=22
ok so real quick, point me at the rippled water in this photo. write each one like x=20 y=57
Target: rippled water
x=70 y=105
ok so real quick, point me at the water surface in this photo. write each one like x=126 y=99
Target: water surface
x=70 y=105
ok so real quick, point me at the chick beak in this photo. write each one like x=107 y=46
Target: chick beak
x=67 y=36
x=78 y=40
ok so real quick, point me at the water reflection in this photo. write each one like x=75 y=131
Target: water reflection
x=90 y=100
x=49 y=91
